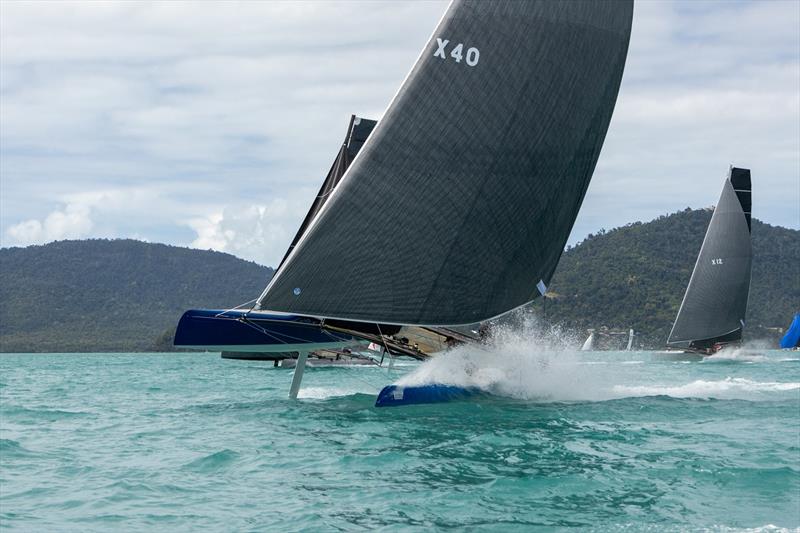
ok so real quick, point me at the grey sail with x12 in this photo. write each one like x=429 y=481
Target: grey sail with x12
x=466 y=191
x=713 y=309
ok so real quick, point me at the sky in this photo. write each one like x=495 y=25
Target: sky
x=212 y=125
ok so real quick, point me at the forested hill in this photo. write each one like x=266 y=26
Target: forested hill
x=112 y=295
x=124 y=295
x=635 y=276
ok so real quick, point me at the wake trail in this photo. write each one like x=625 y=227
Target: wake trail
x=530 y=363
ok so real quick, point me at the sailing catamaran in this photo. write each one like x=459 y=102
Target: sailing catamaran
x=464 y=193
x=713 y=310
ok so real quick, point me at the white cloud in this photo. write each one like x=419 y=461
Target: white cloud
x=71 y=222
x=706 y=85
x=120 y=212
x=195 y=124
x=260 y=233
x=208 y=107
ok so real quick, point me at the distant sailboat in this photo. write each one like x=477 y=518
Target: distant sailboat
x=630 y=340
x=588 y=344
x=713 y=310
x=792 y=337
x=462 y=197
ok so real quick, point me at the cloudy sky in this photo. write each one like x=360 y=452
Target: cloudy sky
x=211 y=125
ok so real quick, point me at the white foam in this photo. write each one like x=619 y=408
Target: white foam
x=323 y=393
x=728 y=388
x=761 y=529
x=742 y=355
x=530 y=364
x=750 y=352
x=524 y=362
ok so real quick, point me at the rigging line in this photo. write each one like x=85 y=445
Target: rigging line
x=287 y=336
x=284 y=335
x=326 y=194
x=385 y=347
x=265 y=331
x=256 y=327
x=362 y=380
x=383 y=340
x=338 y=338
x=364 y=357
x=325 y=330
x=371 y=385
x=235 y=308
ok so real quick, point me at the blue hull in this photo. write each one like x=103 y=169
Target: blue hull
x=219 y=330
x=395 y=395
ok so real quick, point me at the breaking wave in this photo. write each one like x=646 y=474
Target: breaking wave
x=747 y=353
x=524 y=362
x=323 y=393
x=529 y=363
x=728 y=388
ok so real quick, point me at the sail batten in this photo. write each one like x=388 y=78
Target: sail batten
x=715 y=303
x=465 y=193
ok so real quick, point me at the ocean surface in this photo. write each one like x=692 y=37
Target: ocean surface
x=604 y=441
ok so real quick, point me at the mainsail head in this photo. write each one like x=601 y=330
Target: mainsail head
x=714 y=306
x=464 y=195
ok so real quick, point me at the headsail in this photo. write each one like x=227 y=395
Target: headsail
x=715 y=303
x=357 y=132
x=792 y=337
x=588 y=344
x=466 y=191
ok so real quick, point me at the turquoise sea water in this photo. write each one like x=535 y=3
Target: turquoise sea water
x=598 y=441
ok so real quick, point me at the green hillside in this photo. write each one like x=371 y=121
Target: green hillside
x=112 y=295
x=635 y=276
x=125 y=295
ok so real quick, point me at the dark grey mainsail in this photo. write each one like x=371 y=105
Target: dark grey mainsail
x=715 y=303
x=466 y=191
x=357 y=132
